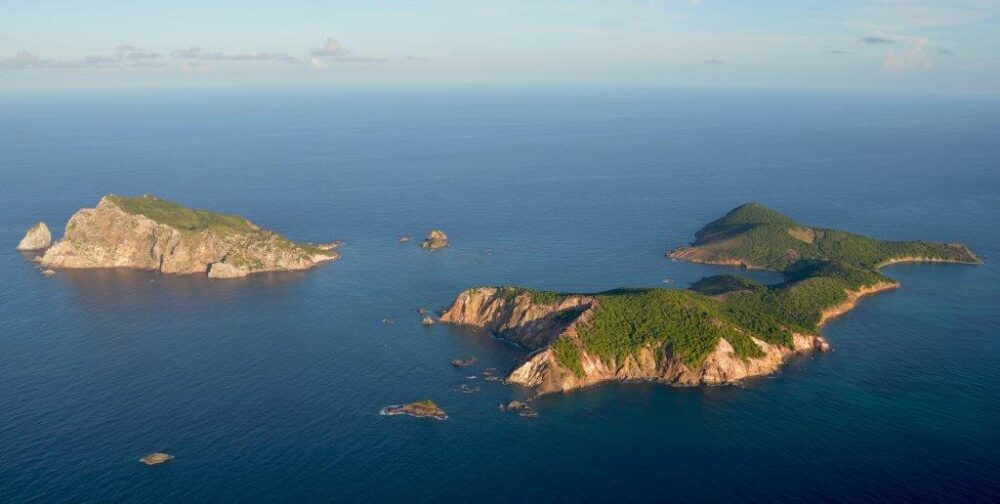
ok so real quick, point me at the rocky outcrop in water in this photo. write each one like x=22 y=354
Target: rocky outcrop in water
x=156 y=458
x=420 y=409
x=435 y=240
x=153 y=234
x=38 y=237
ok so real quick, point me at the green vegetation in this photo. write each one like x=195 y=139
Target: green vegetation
x=510 y=294
x=820 y=267
x=568 y=355
x=181 y=217
x=767 y=239
x=723 y=284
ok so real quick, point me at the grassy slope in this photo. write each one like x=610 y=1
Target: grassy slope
x=194 y=221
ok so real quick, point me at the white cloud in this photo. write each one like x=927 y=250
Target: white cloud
x=912 y=54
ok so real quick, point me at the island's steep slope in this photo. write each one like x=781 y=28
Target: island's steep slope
x=671 y=336
x=154 y=234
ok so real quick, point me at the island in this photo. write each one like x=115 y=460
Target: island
x=722 y=330
x=150 y=233
x=419 y=409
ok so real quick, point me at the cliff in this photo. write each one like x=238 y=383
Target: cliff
x=565 y=356
x=150 y=233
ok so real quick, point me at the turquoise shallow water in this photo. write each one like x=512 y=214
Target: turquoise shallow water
x=269 y=388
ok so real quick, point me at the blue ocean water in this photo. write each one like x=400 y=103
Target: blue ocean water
x=268 y=388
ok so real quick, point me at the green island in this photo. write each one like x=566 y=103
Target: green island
x=151 y=233
x=722 y=329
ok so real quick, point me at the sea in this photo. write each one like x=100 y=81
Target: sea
x=268 y=389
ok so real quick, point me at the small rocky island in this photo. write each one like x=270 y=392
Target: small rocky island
x=436 y=239
x=154 y=234
x=722 y=330
x=419 y=409
x=38 y=237
x=156 y=458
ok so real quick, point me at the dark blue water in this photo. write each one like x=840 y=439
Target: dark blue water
x=269 y=388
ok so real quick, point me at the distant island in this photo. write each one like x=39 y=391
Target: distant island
x=722 y=330
x=151 y=233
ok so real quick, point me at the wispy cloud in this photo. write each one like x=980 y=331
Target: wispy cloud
x=876 y=40
x=332 y=52
x=197 y=53
x=121 y=56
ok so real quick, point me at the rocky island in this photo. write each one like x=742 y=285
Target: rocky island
x=419 y=409
x=38 y=237
x=156 y=458
x=436 y=239
x=722 y=330
x=154 y=234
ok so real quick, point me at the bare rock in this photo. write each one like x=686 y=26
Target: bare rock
x=156 y=458
x=436 y=239
x=38 y=237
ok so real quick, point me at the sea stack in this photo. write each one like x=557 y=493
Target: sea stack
x=436 y=239
x=38 y=237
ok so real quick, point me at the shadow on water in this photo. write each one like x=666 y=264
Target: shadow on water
x=112 y=288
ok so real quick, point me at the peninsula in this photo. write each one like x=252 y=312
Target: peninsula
x=722 y=330
x=154 y=234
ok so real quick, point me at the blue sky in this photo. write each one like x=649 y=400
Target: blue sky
x=888 y=45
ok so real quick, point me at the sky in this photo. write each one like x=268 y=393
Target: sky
x=882 y=45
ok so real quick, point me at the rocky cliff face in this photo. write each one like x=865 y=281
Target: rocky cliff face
x=38 y=237
x=538 y=327
x=127 y=233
